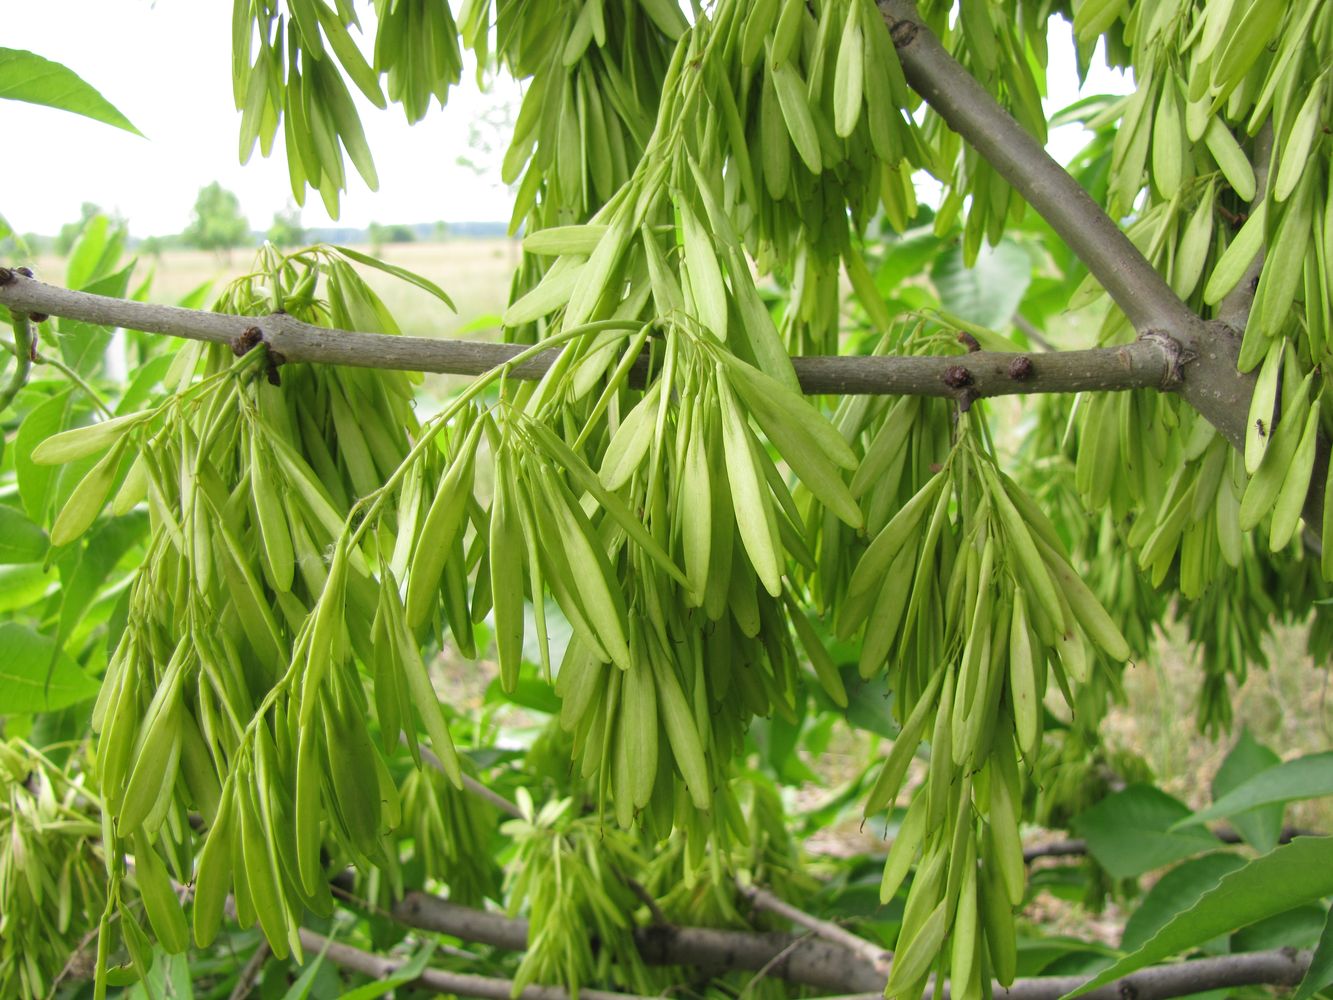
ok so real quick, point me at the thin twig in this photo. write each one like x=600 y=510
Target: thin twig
x=77 y=379
x=645 y=897
x=774 y=962
x=762 y=899
x=246 y=980
x=1074 y=847
x=474 y=786
x=1029 y=330
x=22 y=358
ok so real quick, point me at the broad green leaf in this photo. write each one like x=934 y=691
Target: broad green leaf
x=21 y=586
x=37 y=482
x=1289 y=876
x=869 y=702
x=1131 y=832
x=906 y=257
x=1260 y=827
x=24 y=683
x=988 y=293
x=1303 y=778
x=26 y=76
x=1177 y=890
x=1319 y=976
x=84 y=571
x=88 y=257
x=21 y=541
x=1298 y=927
x=529 y=692
x=1045 y=956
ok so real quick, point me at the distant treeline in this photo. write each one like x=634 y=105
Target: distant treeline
x=377 y=234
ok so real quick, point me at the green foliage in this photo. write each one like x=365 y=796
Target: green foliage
x=228 y=580
x=25 y=76
x=1295 y=873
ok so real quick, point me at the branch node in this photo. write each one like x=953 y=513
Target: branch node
x=1177 y=357
x=34 y=317
x=6 y=275
x=903 y=32
x=957 y=377
x=1020 y=369
x=250 y=338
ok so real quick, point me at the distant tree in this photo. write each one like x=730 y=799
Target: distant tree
x=440 y=231
x=286 y=230
x=69 y=232
x=155 y=246
x=217 y=222
x=379 y=234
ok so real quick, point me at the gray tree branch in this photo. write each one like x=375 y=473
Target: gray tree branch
x=806 y=960
x=1280 y=967
x=1148 y=363
x=853 y=970
x=460 y=983
x=1210 y=381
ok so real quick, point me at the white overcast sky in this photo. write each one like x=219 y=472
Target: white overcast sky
x=166 y=65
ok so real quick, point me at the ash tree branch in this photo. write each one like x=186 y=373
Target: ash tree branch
x=472 y=785
x=834 y=967
x=1280 y=967
x=1075 y=847
x=440 y=981
x=797 y=958
x=1210 y=383
x=1143 y=365
x=973 y=113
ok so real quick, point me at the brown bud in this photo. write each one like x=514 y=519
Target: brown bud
x=275 y=360
x=968 y=341
x=1020 y=368
x=250 y=338
x=25 y=271
x=957 y=377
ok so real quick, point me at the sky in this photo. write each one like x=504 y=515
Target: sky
x=166 y=65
